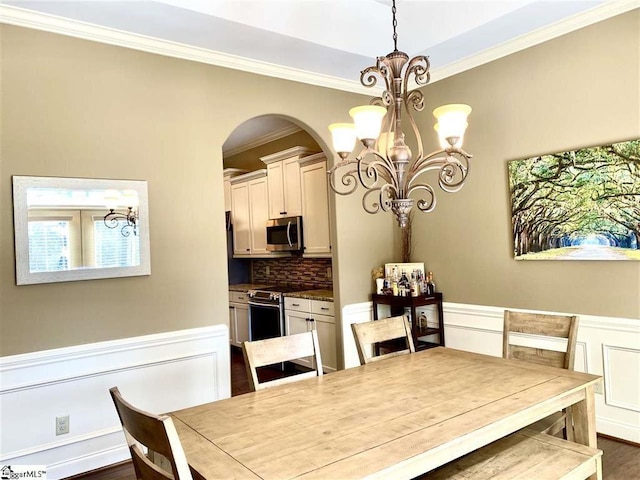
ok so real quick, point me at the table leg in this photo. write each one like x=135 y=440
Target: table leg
x=583 y=418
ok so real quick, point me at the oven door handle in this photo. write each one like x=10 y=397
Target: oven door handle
x=268 y=305
x=289 y=234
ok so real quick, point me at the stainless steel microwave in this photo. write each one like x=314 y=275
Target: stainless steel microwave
x=284 y=234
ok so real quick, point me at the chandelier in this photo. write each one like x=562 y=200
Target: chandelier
x=386 y=167
x=130 y=217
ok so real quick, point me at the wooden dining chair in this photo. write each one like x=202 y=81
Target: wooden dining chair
x=552 y=327
x=370 y=333
x=155 y=433
x=271 y=351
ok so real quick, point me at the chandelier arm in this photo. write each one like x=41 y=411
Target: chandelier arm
x=368 y=76
x=434 y=158
x=371 y=171
x=348 y=178
x=416 y=132
x=378 y=199
x=448 y=175
x=452 y=173
x=427 y=204
x=418 y=67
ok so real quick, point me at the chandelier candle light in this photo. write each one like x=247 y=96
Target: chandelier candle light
x=386 y=166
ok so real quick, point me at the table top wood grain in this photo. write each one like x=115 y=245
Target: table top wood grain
x=399 y=417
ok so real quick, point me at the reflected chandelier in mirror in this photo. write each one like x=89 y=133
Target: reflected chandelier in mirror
x=69 y=229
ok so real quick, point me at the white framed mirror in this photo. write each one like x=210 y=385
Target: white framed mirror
x=69 y=229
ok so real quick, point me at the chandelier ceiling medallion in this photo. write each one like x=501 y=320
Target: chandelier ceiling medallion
x=386 y=167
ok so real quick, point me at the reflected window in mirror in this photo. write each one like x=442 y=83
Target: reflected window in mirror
x=79 y=229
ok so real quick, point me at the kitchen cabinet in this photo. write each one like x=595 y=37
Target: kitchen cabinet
x=283 y=180
x=238 y=318
x=227 y=175
x=315 y=206
x=250 y=214
x=303 y=315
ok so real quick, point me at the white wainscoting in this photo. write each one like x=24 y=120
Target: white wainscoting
x=606 y=346
x=158 y=373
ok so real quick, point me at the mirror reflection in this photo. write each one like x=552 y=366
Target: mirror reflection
x=77 y=229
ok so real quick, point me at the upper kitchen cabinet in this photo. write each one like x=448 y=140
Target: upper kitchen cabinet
x=315 y=206
x=250 y=214
x=228 y=174
x=283 y=173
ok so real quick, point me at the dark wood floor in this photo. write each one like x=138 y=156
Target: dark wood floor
x=621 y=461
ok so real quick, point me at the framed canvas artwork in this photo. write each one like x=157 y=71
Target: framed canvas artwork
x=577 y=205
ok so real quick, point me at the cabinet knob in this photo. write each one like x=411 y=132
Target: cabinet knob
x=295 y=304
x=248 y=249
x=324 y=308
x=283 y=213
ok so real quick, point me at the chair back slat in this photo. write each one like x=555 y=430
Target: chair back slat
x=540 y=325
x=276 y=350
x=391 y=328
x=144 y=468
x=155 y=432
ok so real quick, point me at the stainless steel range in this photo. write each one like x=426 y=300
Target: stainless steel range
x=266 y=312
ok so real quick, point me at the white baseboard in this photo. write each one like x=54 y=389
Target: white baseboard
x=606 y=346
x=160 y=373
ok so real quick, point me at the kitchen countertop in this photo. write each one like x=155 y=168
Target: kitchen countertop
x=245 y=287
x=317 y=294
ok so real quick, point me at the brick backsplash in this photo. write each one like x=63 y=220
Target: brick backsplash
x=307 y=272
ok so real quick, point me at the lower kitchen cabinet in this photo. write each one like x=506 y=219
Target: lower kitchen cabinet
x=238 y=318
x=302 y=315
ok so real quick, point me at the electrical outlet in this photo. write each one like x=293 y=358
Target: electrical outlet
x=62 y=425
x=329 y=273
x=597 y=388
x=268 y=270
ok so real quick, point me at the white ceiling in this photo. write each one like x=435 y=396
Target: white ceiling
x=322 y=42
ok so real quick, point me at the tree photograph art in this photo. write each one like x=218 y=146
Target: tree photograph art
x=577 y=205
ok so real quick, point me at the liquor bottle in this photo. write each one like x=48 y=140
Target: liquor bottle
x=403 y=285
x=413 y=285
x=431 y=286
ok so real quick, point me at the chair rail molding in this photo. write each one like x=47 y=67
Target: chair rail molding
x=606 y=346
x=160 y=372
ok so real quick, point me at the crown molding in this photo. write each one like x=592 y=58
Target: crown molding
x=266 y=138
x=30 y=19
x=584 y=19
x=73 y=28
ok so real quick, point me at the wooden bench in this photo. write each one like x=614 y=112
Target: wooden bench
x=526 y=454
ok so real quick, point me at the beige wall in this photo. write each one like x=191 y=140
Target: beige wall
x=82 y=109
x=76 y=108
x=579 y=90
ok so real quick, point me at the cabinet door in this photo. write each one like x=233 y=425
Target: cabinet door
x=276 y=190
x=259 y=215
x=241 y=220
x=315 y=209
x=291 y=187
x=297 y=322
x=232 y=326
x=242 y=324
x=227 y=195
x=325 y=326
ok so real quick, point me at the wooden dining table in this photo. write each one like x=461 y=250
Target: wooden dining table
x=397 y=418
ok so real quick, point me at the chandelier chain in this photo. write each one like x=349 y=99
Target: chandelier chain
x=395 y=25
